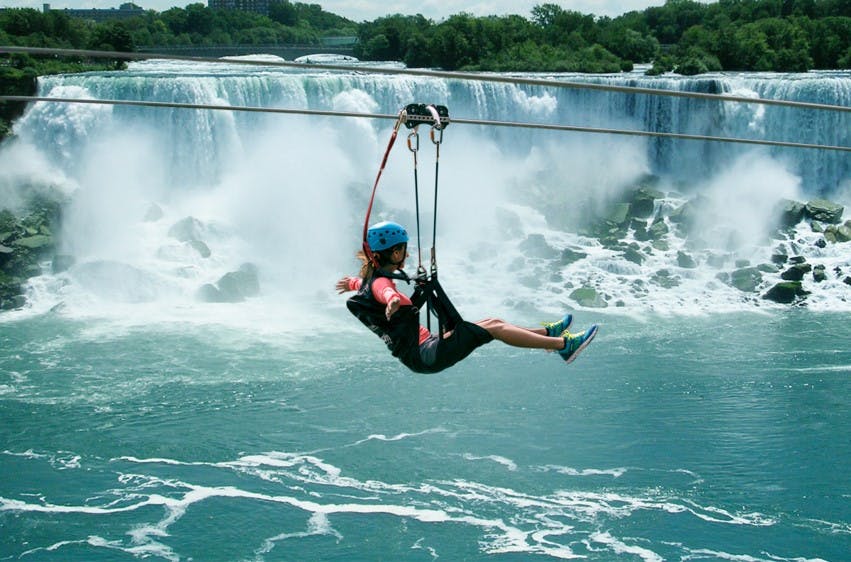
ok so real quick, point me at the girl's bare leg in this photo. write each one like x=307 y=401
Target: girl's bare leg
x=520 y=337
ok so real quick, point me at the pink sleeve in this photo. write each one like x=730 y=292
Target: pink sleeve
x=383 y=289
x=355 y=283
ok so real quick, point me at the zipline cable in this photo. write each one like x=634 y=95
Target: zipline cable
x=490 y=123
x=479 y=77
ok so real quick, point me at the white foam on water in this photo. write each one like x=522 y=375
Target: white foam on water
x=510 y=521
x=506 y=462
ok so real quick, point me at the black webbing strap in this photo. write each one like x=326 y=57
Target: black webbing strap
x=429 y=292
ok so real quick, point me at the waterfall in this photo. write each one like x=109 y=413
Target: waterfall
x=286 y=194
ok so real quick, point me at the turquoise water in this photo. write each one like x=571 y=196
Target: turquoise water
x=719 y=437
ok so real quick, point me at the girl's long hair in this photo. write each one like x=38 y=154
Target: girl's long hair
x=367 y=268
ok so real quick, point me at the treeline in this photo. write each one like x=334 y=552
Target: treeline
x=685 y=36
x=195 y=24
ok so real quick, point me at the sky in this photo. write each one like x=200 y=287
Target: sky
x=361 y=10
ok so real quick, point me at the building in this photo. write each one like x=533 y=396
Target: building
x=258 y=6
x=123 y=12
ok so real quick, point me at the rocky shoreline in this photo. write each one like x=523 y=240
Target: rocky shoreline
x=636 y=227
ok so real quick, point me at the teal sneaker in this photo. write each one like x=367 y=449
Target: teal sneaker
x=555 y=329
x=575 y=343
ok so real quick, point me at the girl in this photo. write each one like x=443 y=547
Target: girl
x=391 y=315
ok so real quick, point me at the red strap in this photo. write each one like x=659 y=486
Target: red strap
x=367 y=252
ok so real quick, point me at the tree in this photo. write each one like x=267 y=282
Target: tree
x=283 y=12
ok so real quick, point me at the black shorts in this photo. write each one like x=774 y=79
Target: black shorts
x=436 y=354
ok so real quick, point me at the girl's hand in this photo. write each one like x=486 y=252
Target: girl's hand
x=392 y=307
x=342 y=285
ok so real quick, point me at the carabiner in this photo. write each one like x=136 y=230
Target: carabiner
x=414 y=146
x=431 y=134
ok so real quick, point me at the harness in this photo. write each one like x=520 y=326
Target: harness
x=427 y=289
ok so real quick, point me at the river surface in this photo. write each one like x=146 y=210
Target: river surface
x=719 y=437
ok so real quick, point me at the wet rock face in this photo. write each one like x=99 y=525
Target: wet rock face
x=26 y=239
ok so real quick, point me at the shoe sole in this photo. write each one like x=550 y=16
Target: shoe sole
x=593 y=329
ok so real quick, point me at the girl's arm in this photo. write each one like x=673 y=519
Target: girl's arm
x=348 y=283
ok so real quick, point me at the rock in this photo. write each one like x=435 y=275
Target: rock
x=790 y=212
x=786 y=292
x=588 y=297
x=768 y=268
x=843 y=233
x=633 y=255
x=824 y=211
x=664 y=279
x=686 y=215
x=209 y=293
x=536 y=246
x=740 y=263
x=35 y=242
x=780 y=255
x=186 y=230
x=569 y=256
x=619 y=214
x=821 y=243
x=684 y=260
x=847 y=280
x=819 y=274
x=234 y=286
x=644 y=201
x=202 y=249
x=658 y=229
x=816 y=227
x=797 y=259
x=642 y=234
x=796 y=272
x=746 y=279
x=5 y=249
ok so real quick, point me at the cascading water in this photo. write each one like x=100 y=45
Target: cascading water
x=279 y=191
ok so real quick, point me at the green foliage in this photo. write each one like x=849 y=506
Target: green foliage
x=687 y=36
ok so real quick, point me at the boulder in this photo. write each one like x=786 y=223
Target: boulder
x=633 y=255
x=786 y=292
x=234 y=286
x=35 y=242
x=819 y=273
x=588 y=297
x=536 y=246
x=685 y=260
x=746 y=279
x=186 y=230
x=796 y=272
x=842 y=233
x=790 y=212
x=664 y=279
x=619 y=214
x=824 y=211
x=202 y=249
x=569 y=256
x=658 y=229
x=643 y=201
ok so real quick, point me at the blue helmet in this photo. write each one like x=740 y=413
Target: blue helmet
x=386 y=234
